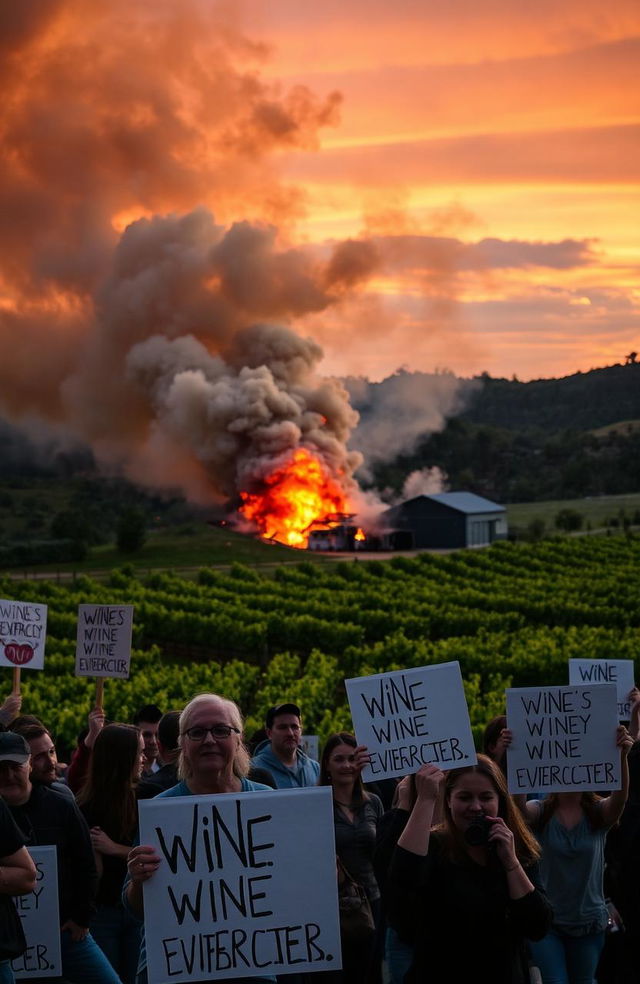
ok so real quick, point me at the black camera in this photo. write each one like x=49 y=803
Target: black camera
x=477 y=833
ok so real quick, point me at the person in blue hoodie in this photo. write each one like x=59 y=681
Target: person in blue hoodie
x=281 y=754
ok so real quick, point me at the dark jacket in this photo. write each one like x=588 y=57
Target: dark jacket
x=464 y=910
x=49 y=818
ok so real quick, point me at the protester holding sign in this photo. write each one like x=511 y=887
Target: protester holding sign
x=571 y=828
x=470 y=885
x=356 y=814
x=108 y=803
x=45 y=817
x=213 y=759
x=17 y=876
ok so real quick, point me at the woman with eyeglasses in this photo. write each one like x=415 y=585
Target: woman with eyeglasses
x=212 y=759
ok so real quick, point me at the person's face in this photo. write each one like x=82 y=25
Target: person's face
x=149 y=734
x=341 y=764
x=473 y=795
x=43 y=759
x=285 y=734
x=15 y=785
x=210 y=755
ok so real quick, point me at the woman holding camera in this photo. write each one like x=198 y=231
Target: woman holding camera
x=469 y=885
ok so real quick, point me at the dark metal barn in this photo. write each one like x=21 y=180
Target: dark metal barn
x=449 y=519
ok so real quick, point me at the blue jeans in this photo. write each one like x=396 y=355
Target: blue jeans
x=6 y=974
x=567 y=959
x=84 y=961
x=398 y=956
x=118 y=935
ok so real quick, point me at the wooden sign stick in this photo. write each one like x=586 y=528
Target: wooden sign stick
x=16 y=681
x=100 y=692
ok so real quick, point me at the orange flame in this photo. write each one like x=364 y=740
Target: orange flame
x=296 y=495
x=359 y=535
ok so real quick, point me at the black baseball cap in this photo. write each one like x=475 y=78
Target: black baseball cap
x=274 y=712
x=13 y=748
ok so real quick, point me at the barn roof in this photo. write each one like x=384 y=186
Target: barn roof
x=465 y=502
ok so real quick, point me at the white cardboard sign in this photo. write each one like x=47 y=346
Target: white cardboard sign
x=407 y=718
x=23 y=628
x=618 y=671
x=563 y=738
x=238 y=892
x=103 y=642
x=40 y=920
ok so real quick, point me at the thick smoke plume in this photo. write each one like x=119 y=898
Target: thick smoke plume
x=131 y=317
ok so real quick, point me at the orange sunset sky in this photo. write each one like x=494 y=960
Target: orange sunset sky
x=483 y=157
x=464 y=123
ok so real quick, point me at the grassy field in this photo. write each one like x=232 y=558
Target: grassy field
x=596 y=511
x=196 y=544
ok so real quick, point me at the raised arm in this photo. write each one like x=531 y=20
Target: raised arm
x=613 y=805
x=415 y=836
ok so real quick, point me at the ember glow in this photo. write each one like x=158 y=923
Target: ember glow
x=295 y=496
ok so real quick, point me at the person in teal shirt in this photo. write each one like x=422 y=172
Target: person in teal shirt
x=571 y=828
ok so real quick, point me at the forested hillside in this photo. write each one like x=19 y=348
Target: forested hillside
x=546 y=439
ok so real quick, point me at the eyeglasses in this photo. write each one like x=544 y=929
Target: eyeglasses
x=217 y=731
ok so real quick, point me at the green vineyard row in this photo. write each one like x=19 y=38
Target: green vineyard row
x=512 y=615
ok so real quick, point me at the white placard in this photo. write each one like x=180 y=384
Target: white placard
x=103 y=642
x=563 y=738
x=23 y=629
x=238 y=892
x=310 y=745
x=40 y=920
x=618 y=671
x=407 y=718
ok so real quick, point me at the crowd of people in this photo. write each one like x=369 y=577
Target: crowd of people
x=503 y=889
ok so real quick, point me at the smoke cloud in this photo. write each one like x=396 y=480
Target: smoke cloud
x=397 y=412
x=132 y=318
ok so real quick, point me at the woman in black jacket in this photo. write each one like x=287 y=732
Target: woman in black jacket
x=470 y=883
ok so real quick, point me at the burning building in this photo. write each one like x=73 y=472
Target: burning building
x=132 y=320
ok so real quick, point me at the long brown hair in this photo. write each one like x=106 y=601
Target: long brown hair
x=526 y=846
x=340 y=738
x=108 y=795
x=589 y=802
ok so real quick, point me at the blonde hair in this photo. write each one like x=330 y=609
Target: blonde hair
x=241 y=759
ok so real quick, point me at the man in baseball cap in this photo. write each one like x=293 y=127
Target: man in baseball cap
x=281 y=754
x=13 y=748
